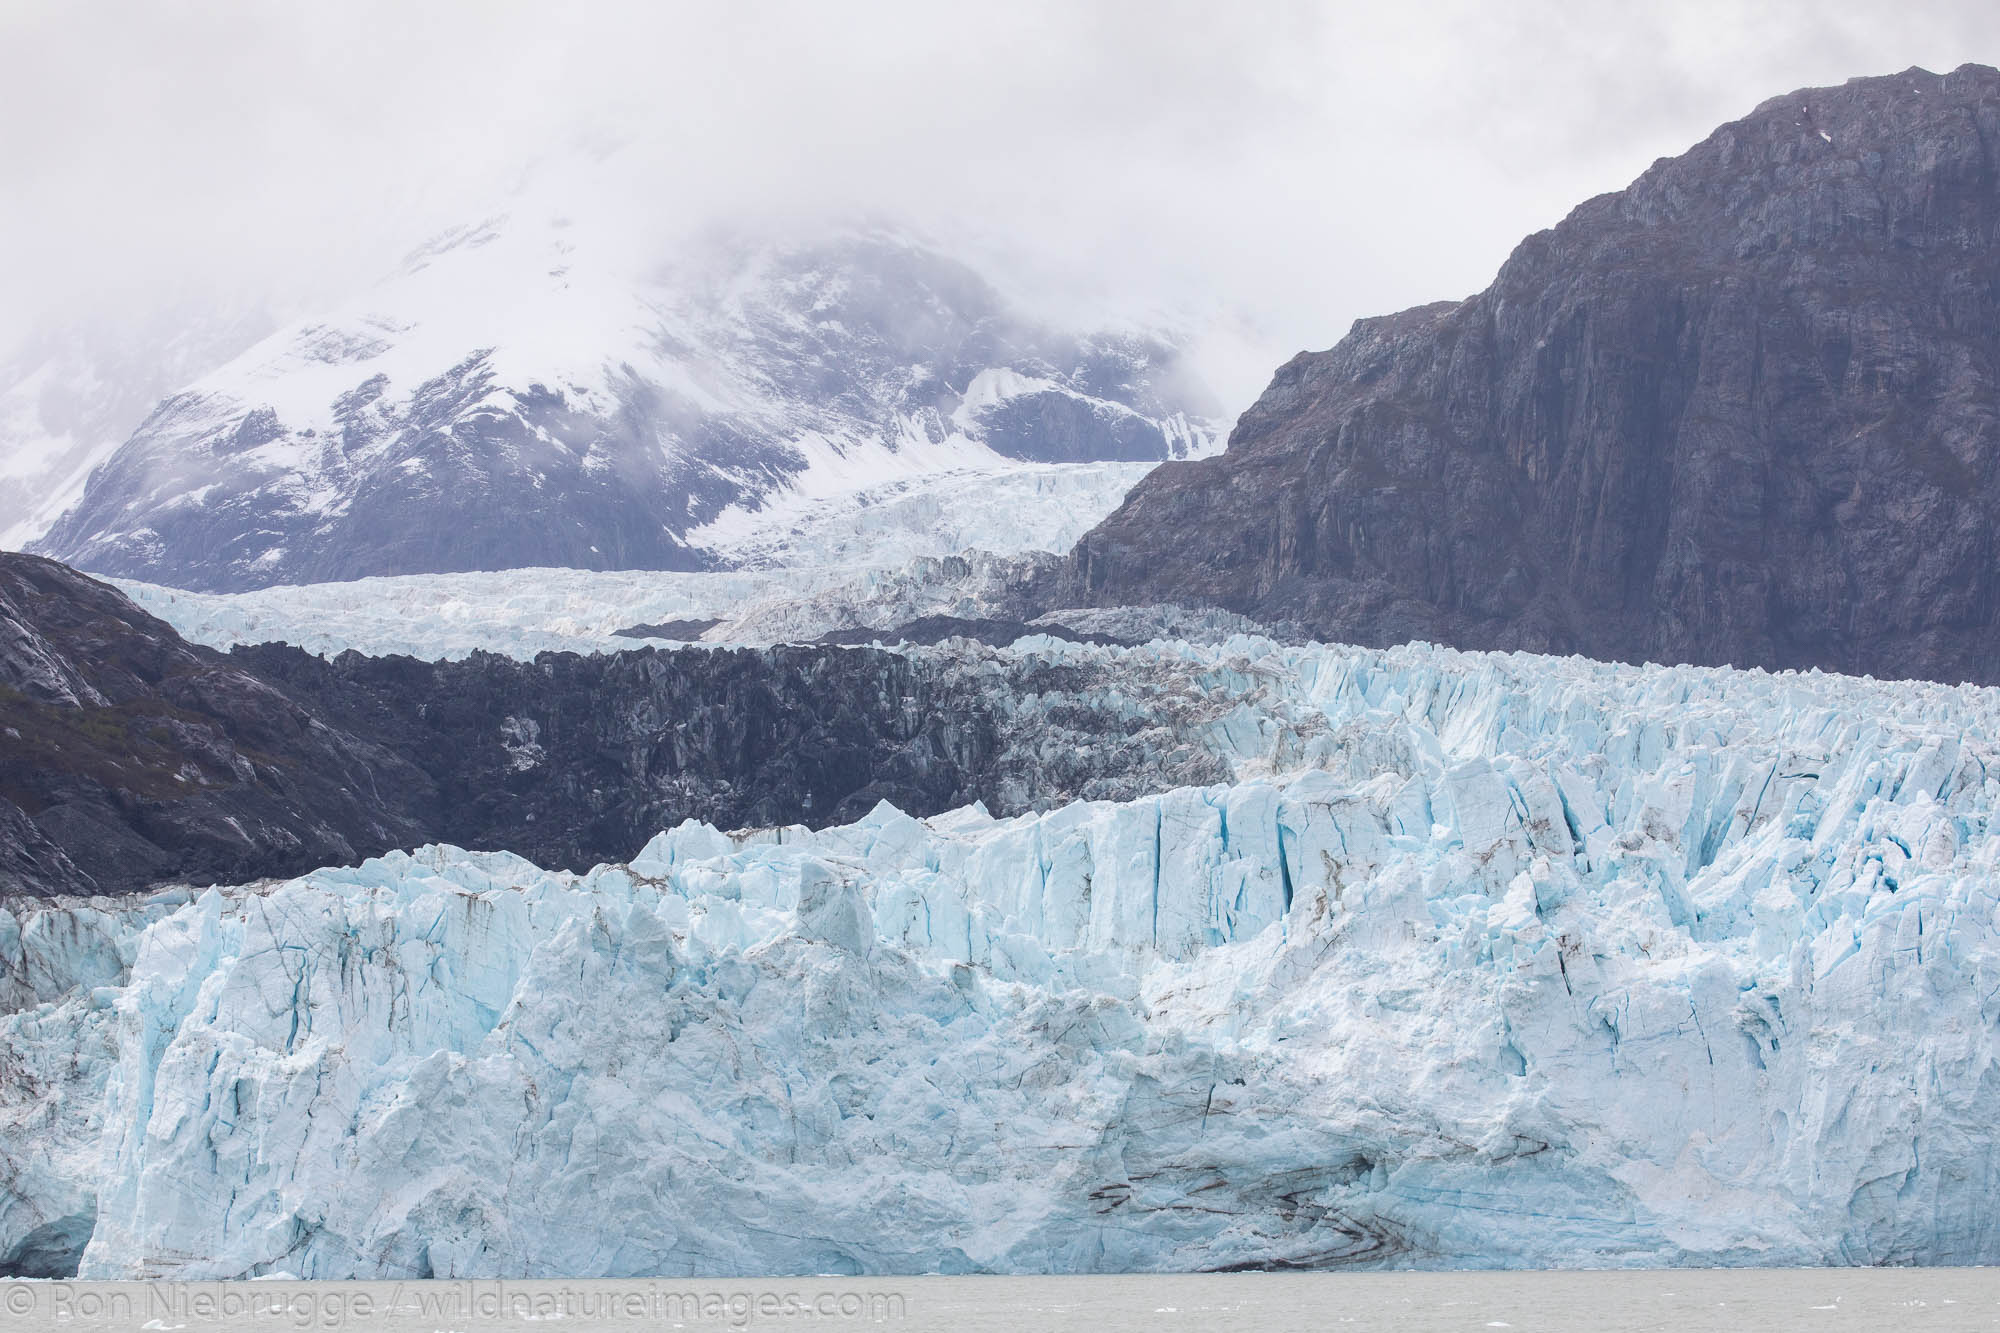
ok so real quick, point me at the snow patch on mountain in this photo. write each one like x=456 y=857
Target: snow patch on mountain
x=993 y=386
x=1521 y=962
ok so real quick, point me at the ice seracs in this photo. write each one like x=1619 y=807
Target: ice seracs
x=1481 y=960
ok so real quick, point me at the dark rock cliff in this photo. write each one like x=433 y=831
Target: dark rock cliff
x=130 y=758
x=1741 y=412
x=570 y=760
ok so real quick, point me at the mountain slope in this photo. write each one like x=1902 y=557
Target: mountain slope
x=1745 y=411
x=523 y=393
x=70 y=396
x=129 y=757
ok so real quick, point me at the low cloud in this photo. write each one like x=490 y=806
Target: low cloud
x=1285 y=168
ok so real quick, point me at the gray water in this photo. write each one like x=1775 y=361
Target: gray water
x=1681 y=1301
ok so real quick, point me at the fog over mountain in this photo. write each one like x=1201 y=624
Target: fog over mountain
x=182 y=180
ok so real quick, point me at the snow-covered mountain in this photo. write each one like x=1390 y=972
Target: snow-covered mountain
x=69 y=396
x=524 y=392
x=1475 y=960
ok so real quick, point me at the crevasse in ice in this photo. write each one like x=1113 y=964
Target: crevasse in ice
x=1483 y=960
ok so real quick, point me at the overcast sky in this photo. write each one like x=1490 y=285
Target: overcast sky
x=1301 y=165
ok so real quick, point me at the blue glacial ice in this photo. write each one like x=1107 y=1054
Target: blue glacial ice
x=1482 y=960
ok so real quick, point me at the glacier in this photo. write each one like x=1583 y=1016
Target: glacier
x=522 y=612
x=1476 y=960
x=793 y=572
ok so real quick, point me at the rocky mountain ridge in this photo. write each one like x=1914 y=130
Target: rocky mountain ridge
x=129 y=757
x=1745 y=411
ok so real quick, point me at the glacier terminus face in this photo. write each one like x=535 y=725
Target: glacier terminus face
x=1478 y=960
